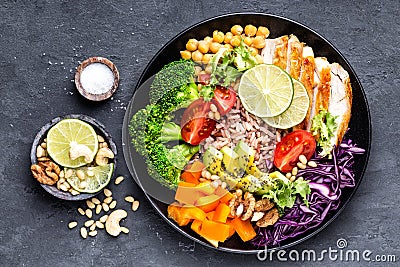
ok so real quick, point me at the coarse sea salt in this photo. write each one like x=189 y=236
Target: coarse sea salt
x=97 y=78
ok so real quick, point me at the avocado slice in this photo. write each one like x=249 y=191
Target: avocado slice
x=249 y=183
x=212 y=158
x=230 y=160
x=246 y=156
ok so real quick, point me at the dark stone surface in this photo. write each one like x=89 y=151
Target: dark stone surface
x=41 y=43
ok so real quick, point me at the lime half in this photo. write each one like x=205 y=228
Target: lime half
x=296 y=112
x=89 y=179
x=72 y=134
x=266 y=90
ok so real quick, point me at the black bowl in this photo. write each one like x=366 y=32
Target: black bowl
x=360 y=125
x=100 y=130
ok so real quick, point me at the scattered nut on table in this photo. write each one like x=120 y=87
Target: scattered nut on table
x=112 y=223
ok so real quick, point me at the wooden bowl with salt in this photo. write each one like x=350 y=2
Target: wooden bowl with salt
x=97 y=78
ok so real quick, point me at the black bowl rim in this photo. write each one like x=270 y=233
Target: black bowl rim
x=367 y=149
x=98 y=127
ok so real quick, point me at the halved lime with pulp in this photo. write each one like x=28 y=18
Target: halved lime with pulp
x=266 y=90
x=94 y=178
x=296 y=112
x=72 y=133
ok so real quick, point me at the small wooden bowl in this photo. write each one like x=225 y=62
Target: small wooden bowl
x=82 y=90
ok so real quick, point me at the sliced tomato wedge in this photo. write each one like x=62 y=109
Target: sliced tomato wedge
x=224 y=98
x=291 y=146
x=195 y=124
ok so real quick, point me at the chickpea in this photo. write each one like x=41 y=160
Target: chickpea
x=262 y=31
x=259 y=42
x=214 y=47
x=235 y=41
x=248 y=40
x=228 y=37
x=250 y=30
x=186 y=54
x=203 y=47
x=218 y=36
x=206 y=58
x=208 y=39
x=228 y=46
x=237 y=30
x=192 y=44
x=197 y=56
x=253 y=51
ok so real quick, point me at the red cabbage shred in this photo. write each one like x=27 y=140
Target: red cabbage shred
x=326 y=182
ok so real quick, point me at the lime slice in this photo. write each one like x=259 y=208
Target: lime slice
x=94 y=178
x=76 y=134
x=266 y=90
x=295 y=113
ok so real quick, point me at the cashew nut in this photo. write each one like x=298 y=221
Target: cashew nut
x=103 y=155
x=78 y=150
x=112 y=222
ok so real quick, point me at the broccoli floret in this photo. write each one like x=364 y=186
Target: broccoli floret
x=170 y=132
x=151 y=127
x=174 y=74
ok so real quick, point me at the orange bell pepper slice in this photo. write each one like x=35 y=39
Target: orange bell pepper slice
x=214 y=230
x=221 y=213
x=193 y=213
x=208 y=203
x=174 y=212
x=244 y=229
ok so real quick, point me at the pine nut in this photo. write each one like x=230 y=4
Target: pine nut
x=93 y=233
x=89 y=213
x=89 y=223
x=100 y=138
x=96 y=201
x=293 y=178
x=219 y=182
x=92 y=227
x=81 y=211
x=312 y=164
x=294 y=171
x=223 y=185
x=135 y=205
x=90 y=173
x=288 y=175
x=84 y=232
x=113 y=204
x=72 y=225
x=213 y=108
x=106 y=208
x=301 y=165
x=80 y=174
x=124 y=230
x=129 y=199
x=207 y=175
x=119 y=179
x=98 y=208
x=303 y=159
x=214 y=177
x=214 y=184
x=211 y=115
x=99 y=224
x=83 y=184
x=217 y=116
x=201 y=179
x=62 y=175
x=90 y=204
x=68 y=173
x=107 y=200
x=107 y=192
x=103 y=218
x=74 y=192
x=63 y=187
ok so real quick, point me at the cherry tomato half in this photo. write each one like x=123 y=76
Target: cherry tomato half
x=291 y=146
x=195 y=124
x=224 y=98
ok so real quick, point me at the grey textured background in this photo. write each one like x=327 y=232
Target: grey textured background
x=41 y=43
